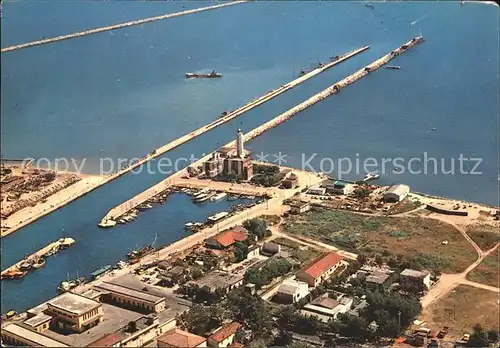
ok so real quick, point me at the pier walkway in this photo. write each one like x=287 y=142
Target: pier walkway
x=163 y=185
x=116 y=26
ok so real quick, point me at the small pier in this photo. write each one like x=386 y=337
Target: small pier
x=18 y=271
x=115 y=26
x=335 y=88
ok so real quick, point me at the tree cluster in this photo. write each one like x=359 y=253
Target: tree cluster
x=201 y=294
x=482 y=338
x=257 y=227
x=271 y=270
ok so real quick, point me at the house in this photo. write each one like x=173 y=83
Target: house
x=396 y=193
x=253 y=252
x=377 y=279
x=320 y=269
x=291 y=291
x=174 y=275
x=109 y=340
x=291 y=181
x=180 y=339
x=412 y=280
x=317 y=191
x=227 y=238
x=326 y=308
x=298 y=207
x=269 y=248
x=224 y=335
x=219 y=280
x=338 y=187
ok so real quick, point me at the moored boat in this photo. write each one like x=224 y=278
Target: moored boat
x=371 y=176
x=203 y=75
x=99 y=272
x=39 y=263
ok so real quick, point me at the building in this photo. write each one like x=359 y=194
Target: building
x=224 y=335
x=396 y=193
x=338 y=187
x=239 y=144
x=219 y=280
x=269 y=249
x=291 y=181
x=177 y=338
x=412 y=280
x=17 y=335
x=291 y=291
x=377 y=279
x=320 y=191
x=129 y=298
x=238 y=166
x=299 y=207
x=109 y=340
x=213 y=167
x=74 y=312
x=326 y=308
x=39 y=323
x=253 y=252
x=320 y=269
x=227 y=238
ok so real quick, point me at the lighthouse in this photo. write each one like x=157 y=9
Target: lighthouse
x=239 y=144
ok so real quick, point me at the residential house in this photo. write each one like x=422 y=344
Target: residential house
x=320 y=269
x=177 y=338
x=412 y=280
x=291 y=291
x=227 y=238
x=299 y=207
x=269 y=248
x=326 y=308
x=224 y=335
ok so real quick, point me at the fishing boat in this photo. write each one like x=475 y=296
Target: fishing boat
x=218 y=196
x=200 y=193
x=139 y=253
x=26 y=265
x=188 y=225
x=144 y=206
x=371 y=176
x=213 y=74
x=393 y=67
x=67 y=285
x=39 y=263
x=99 y=272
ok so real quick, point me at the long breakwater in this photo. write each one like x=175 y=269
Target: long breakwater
x=116 y=26
x=335 y=88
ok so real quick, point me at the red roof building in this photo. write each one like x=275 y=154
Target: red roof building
x=109 y=340
x=177 y=338
x=227 y=238
x=320 y=269
x=224 y=336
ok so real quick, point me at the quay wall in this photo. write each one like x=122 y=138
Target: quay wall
x=154 y=190
x=115 y=26
x=446 y=211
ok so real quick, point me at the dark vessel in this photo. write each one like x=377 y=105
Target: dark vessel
x=210 y=75
x=393 y=67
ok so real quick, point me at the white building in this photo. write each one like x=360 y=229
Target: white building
x=291 y=291
x=317 y=191
x=326 y=308
x=396 y=193
x=298 y=207
x=239 y=144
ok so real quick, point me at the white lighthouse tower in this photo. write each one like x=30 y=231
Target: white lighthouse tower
x=239 y=144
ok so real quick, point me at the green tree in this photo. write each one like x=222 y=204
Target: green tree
x=478 y=338
x=198 y=320
x=256 y=227
x=240 y=251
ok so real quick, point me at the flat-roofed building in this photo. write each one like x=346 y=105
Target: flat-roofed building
x=108 y=340
x=291 y=291
x=219 y=280
x=39 y=323
x=17 y=335
x=177 y=338
x=74 y=312
x=326 y=308
x=413 y=280
x=320 y=269
x=299 y=207
x=129 y=298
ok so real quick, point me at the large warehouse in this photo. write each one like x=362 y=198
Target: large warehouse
x=396 y=193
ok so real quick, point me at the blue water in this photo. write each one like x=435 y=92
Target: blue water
x=123 y=93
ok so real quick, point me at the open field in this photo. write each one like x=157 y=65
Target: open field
x=488 y=271
x=461 y=310
x=485 y=236
x=413 y=238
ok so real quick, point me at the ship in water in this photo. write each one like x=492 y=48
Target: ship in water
x=371 y=176
x=68 y=284
x=99 y=272
x=393 y=67
x=137 y=254
x=213 y=74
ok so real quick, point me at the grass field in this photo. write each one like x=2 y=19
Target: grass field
x=488 y=272
x=297 y=250
x=485 y=236
x=461 y=310
x=413 y=238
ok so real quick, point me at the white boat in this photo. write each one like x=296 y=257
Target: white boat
x=217 y=216
x=218 y=196
x=107 y=223
x=371 y=176
x=200 y=193
x=121 y=264
x=250 y=197
x=188 y=224
x=205 y=197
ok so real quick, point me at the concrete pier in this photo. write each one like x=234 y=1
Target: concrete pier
x=40 y=253
x=116 y=26
x=163 y=185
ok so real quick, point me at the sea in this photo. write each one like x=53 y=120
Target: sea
x=120 y=94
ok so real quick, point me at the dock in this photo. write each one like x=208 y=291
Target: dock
x=116 y=26
x=15 y=271
x=335 y=88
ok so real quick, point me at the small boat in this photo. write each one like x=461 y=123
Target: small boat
x=121 y=264
x=205 y=198
x=250 y=197
x=197 y=75
x=218 y=196
x=371 y=176
x=10 y=314
x=200 y=193
x=26 y=265
x=370 y=6
x=433 y=129
x=107 y=223
x=67 y=285
x=144 y=206
x=122 y=221
x=393 y=67
x=39 y=263
x=99 y=272
x=188 y=225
